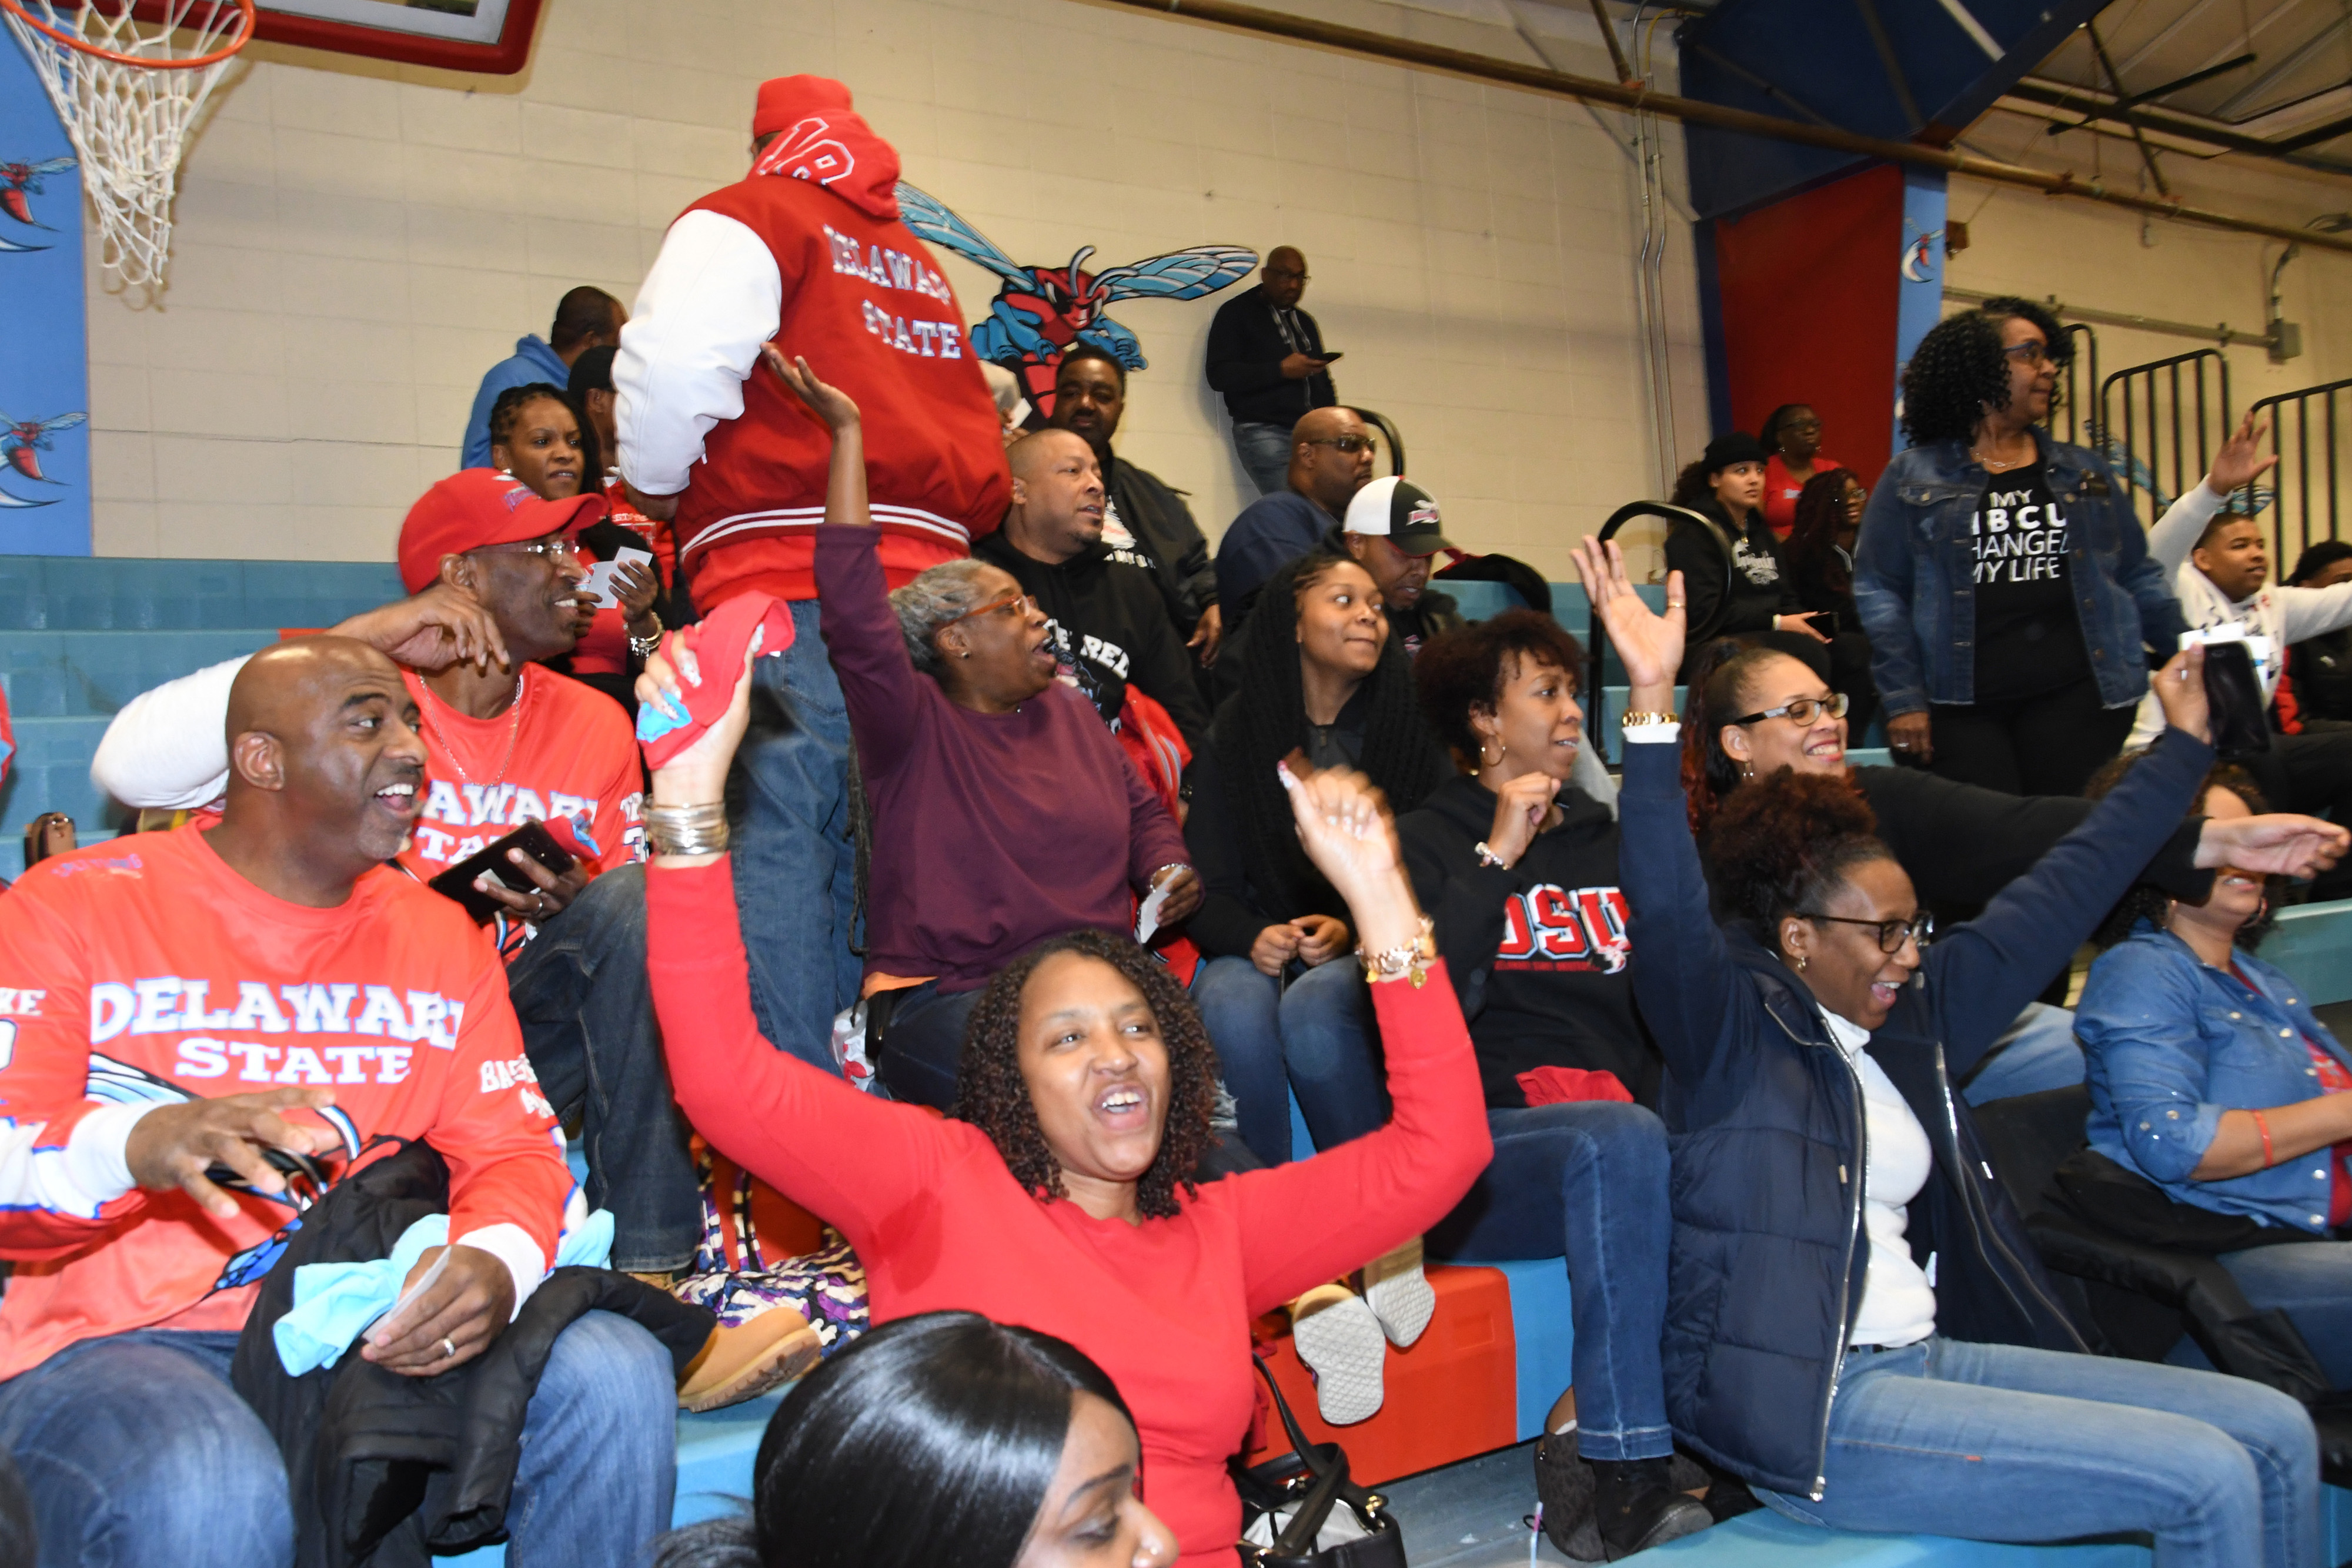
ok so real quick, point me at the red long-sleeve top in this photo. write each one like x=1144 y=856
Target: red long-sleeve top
x=1163 y=1306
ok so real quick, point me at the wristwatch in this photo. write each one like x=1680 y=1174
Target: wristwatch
x=645 y=647
x=1410 y=961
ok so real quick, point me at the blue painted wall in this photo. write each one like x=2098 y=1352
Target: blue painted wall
x=1919 y=298
x=43 y=338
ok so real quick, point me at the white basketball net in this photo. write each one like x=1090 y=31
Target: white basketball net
x=127 y=123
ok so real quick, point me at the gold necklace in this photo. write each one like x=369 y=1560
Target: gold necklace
x=1997 y=464
x=514 y=730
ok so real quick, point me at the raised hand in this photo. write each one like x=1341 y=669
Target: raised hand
x=2277 y=845
x=1344 y=827
x=2241 y=461
x=1651 y=644
x=698 y=775
x=829 y=404
x=2180 y=692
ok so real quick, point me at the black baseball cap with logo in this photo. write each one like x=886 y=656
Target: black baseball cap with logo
x=1401 y=512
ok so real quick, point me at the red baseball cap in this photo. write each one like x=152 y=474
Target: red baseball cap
x=478 y=506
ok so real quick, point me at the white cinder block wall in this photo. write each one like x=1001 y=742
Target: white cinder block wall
x=357 y=242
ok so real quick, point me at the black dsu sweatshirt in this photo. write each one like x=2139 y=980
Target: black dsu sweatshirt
x=1538 y=952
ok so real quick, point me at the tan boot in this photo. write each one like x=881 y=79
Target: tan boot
x=747 y=1360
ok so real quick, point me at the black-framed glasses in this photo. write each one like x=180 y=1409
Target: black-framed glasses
x=1350 y=444
x=1919 y=928
x=1804 y=710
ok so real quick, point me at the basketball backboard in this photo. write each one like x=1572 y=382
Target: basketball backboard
x=492 y=36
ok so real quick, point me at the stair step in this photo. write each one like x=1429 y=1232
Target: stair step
x=59 y=675
x=110 y=593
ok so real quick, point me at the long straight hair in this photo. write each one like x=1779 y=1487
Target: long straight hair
x=928 y=1444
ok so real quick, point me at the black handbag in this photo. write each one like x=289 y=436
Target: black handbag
x=1313 y=1479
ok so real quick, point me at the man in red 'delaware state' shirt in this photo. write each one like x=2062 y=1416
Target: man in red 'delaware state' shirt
x=808 y=251
x=507 y=741
x=276 y=949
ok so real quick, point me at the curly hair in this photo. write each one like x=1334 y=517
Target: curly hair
x=1462 y=671
x=1692 y=485
x=507 y=410
x=1810 y=551
x=1717 y=690
x=936 y=596
x=1783 y=844
x=1958 y=369
x=2146 y=901
x=992 y=1095
x=2316 y=559
x=1267 y=720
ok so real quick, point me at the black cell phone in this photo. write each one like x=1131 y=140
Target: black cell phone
x=1327 y=356
x=1825 y=621
x=533 y=839
x=2234 y=696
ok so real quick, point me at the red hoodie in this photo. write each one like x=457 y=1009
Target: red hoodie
x=867 y=304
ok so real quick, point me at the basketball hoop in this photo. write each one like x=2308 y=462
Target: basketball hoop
x=127 y=95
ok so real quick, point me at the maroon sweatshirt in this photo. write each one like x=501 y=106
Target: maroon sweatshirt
x=992 y=831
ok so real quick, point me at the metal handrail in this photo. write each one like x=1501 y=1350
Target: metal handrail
x=1388 y=433
x=2139 y=455
x=2291 y=480
x=2080 y=421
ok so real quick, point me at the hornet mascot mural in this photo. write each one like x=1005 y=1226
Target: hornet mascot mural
x=1041 y=311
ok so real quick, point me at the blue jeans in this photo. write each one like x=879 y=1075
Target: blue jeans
x=1258 y=1024
x=137 y=1452
x=796 y=871
x=922 y=1045
x=1587 y=1178
x=1993 y=1442
x=2038 y=1052
x=581 y=991
x=1264 y=451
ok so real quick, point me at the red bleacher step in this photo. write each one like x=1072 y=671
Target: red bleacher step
x=1454 y=1394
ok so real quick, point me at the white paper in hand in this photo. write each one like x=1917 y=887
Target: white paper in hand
x=394 y=1323
x=1147 y=919
x=599 y=576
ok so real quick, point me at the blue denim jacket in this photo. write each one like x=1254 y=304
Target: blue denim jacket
x=1914 y=578
x=2171 y=1043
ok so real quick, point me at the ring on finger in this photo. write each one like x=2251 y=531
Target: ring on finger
x=448 y=1349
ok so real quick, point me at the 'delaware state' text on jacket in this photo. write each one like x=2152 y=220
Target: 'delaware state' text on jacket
x=1765 y=1278
x=379 y=1465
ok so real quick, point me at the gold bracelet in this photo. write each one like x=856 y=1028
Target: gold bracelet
x=687 y=830
x=1410 y=961
x=1636 y=720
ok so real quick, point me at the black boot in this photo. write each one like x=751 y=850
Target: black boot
x=1637 y=1507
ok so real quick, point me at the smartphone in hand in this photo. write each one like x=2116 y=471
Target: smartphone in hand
x=533 y=839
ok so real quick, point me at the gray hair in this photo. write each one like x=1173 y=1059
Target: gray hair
x=937 y=596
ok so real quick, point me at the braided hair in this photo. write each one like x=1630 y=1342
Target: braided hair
x=992 y=1095
x=1268 y=721
x=1810 y=551
x=1958 y=369
x=1783 y=844
x=507 y=410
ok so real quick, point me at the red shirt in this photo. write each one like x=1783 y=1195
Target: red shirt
x=1780 y=491
x=144 y=969
x=1163 y=1306
x=561 y=751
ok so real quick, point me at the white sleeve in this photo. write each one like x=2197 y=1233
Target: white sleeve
x=168 y=748
x=2313 y=611
x=512 y=1246
x=2177 y=532
x=91 y=1171
x=713 y=296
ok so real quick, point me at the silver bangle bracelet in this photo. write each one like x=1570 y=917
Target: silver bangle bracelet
x=687 y=830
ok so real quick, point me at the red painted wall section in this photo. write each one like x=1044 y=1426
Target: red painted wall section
x=1809 y=291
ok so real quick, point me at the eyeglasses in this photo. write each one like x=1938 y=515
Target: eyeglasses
x=554 y=548
x=1351 y=445
x=1802 y=711
x=1018 y=603
x=2029 y=353
x=1919 y=928
x=1811 y=425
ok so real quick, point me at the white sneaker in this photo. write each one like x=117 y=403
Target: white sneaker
x=1400 y=1294
x=1342 y=1343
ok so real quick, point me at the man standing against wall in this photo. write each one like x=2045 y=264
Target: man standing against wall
x=585 y=318
x=1145 y=522
x=1266 y=356
x=806 y=251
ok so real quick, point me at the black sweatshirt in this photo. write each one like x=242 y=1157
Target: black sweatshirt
x=1538 y=952
x=1155 y=513
x=1247 y=348
x=1233 y=905
x=1110 y=628
x=1962 y=844
x=1733 y=578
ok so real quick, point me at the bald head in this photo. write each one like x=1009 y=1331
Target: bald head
x=1284 y=278
x=325 y=762
x=1057 y=496
x=1321 y=471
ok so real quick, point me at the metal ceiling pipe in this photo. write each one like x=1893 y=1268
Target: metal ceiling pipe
x=1693 y=111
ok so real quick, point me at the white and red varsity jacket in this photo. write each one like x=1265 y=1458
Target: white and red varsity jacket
x=807 y=251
